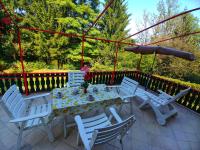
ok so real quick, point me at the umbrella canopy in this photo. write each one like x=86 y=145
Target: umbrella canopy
x=145 y=50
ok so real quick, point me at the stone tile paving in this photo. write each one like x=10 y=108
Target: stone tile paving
x=181 y=133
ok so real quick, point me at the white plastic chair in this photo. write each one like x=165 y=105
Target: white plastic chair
x=25 y=116
x=75 y=79
x=99 y=129
x=126 y=90
x=162 y=104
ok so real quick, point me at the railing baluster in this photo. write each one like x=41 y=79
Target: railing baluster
x=2 y=86
x=58 y=80
x=37 y=83
x=48 y=82
x=192 y=99
x=42 y=82
x=196 y=106
x=62 y=80
x=7 y=83
x=20 y=83
x=53 y=81
x=30 y=76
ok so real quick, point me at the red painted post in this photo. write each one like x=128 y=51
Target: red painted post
x=22 y=61
x=115 y=62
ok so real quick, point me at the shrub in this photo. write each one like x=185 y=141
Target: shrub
x=29 y=66
x=193 y=85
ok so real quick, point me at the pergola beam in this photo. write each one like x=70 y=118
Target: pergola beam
x=76 y=35
x=160 y=22
x=171 y=38
x=99 y=16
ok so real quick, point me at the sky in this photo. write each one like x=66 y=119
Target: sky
x=137 y=7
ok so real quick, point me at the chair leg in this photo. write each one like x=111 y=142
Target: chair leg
x=121 y=143
x=78 y=139
x=49 y=133
x=161 y=121
x=143 y=104
x=48 y=130
x=120 y=108
x=19 y=139
x=65 y=127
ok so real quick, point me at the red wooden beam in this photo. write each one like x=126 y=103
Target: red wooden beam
x=171 y=38
x=22 y=62
x=51 y=32
x=112 y=41
x=115 y=62
x=105 y=9
x=76 y=35
x=160 y=22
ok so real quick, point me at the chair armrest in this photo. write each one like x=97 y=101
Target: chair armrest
x=41 y=115
x=115 y=115
x=128 y=96
x=113 y=86
x=37 y=96
x=82 y=132
x=165 y=94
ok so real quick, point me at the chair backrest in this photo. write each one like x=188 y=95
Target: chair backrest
x=13 y=102
x=75 y=78
x=179 y=95
x=107 y=134
x=129 y=85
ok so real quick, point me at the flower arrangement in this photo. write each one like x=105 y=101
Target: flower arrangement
x=86 y=82
x=87 y=77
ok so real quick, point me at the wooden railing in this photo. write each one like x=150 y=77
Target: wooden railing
x=40 y=82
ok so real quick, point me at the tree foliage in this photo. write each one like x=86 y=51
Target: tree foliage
x=171 y=66
x=76 y=16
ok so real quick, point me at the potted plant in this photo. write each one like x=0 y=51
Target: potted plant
x=85 y=84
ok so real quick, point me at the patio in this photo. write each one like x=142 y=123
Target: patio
x=180 y=133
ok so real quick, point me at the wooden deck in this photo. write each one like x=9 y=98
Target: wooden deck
x=181 y=133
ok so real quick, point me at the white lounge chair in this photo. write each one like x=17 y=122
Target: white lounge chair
x=162 y=104
x=75 y=79
x=23 y=114
x=98 y=130
x=126 y=90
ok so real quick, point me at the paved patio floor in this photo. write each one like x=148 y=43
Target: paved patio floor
x=182 y=132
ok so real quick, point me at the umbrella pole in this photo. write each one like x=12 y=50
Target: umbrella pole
x=138 y=65
x=152 y=66
x=151 y=71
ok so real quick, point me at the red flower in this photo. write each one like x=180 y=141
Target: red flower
x=85 y=68
x=6 y=20
x=87 y=77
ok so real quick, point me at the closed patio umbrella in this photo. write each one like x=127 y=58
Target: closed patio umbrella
x=145 y=50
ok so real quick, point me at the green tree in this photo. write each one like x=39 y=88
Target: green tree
x=171 y=66
x=113 y=26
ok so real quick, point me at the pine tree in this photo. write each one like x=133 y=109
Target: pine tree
x=62 y=16
x=114 y=26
